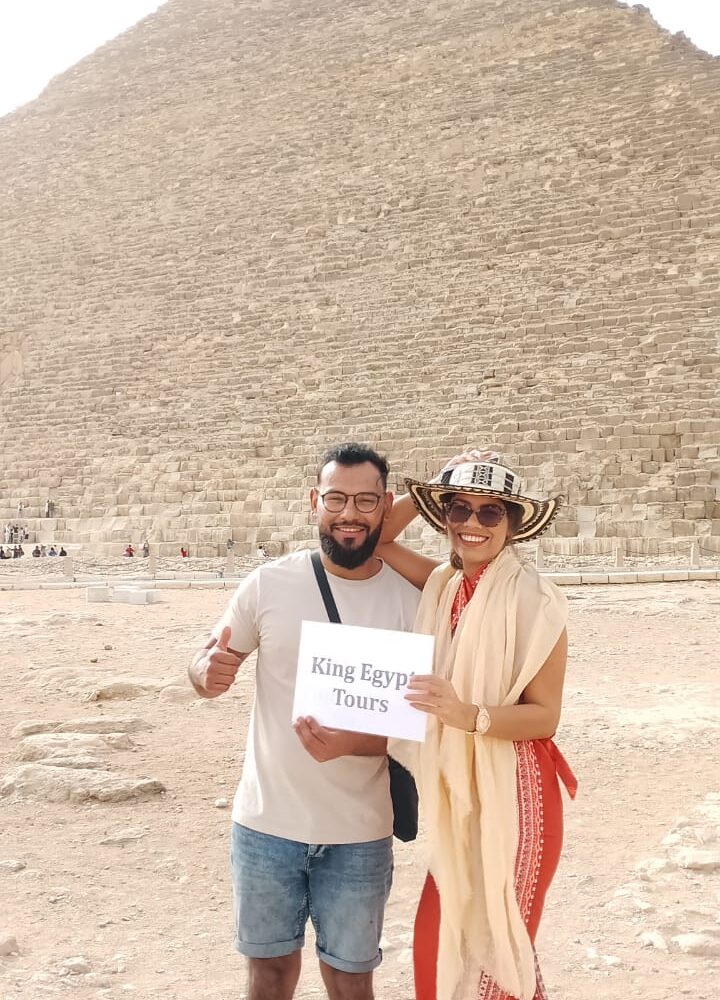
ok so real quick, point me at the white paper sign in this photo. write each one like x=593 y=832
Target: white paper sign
x=350 y=677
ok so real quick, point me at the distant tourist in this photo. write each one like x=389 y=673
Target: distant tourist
x=49 y=508
x=146 y=549
x=184 y=552
x=2 y=553
x=129 y=551
x=62 y=551
x=52 y=551
x=36 y=552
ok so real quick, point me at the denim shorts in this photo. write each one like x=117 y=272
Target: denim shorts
x=343 y=888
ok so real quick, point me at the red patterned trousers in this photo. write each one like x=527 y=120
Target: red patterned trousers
x=539 y=765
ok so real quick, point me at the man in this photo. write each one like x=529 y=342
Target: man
x=312 y=827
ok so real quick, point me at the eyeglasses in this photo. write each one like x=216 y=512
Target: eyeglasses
x=489 y=515
x=335 y=501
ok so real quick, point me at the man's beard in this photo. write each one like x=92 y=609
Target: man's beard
x=349 y=558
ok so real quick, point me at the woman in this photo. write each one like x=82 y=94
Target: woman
x=487 y=773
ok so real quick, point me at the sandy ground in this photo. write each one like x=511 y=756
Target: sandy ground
x=112 y=899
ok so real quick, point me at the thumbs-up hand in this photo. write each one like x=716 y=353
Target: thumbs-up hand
x=214 y=668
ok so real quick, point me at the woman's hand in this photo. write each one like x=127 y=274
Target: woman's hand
x=437 y=696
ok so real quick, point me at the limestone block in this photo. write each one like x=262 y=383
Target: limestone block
x=100 y=724
x=131 y=595
x=698 y=944
x=124 y=689
x=62 y=784
x=682 y=528
x=564 y=579
x=39 y=745
x=673 y=511
x=653 y=939
x=102 y=594
x=8 y=945
x=704 y=493
x=586 y=446
x=687 y=478
x=629 y=529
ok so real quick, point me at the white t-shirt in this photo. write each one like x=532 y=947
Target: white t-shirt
x=283 y=790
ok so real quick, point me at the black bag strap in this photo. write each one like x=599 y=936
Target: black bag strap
x=324 y=585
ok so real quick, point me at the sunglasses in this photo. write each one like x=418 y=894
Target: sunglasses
x=489 y=515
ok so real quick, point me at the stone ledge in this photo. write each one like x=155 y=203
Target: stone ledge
x=565 y=579
x=561 y=578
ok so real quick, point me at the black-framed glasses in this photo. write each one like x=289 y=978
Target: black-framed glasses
x=489 y=515
x=335 y=501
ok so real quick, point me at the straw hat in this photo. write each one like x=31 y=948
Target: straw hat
x=488 y=479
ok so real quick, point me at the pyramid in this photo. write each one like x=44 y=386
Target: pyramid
x=245 y=230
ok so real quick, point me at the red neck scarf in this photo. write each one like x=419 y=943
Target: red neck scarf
x=464 y=593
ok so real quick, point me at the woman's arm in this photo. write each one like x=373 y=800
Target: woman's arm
x=402 y=512
x=536 y=717
x=414 y=567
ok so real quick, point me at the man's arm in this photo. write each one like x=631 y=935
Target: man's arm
x=325 y=744
x=214 y=667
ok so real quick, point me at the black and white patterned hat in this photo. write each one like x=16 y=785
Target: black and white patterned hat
x=485 y=479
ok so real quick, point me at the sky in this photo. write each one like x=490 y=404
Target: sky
x=41 y=38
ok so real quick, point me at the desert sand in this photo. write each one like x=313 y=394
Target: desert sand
x=130 y=897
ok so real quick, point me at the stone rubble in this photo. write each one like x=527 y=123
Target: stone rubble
x=69 y=762
x=691 y=858
x=62 y=784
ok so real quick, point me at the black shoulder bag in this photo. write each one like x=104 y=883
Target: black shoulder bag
x=402 y=784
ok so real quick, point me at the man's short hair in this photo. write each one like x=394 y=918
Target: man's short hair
x=352 y=453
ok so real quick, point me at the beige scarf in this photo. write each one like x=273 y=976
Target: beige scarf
x=467 y=785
